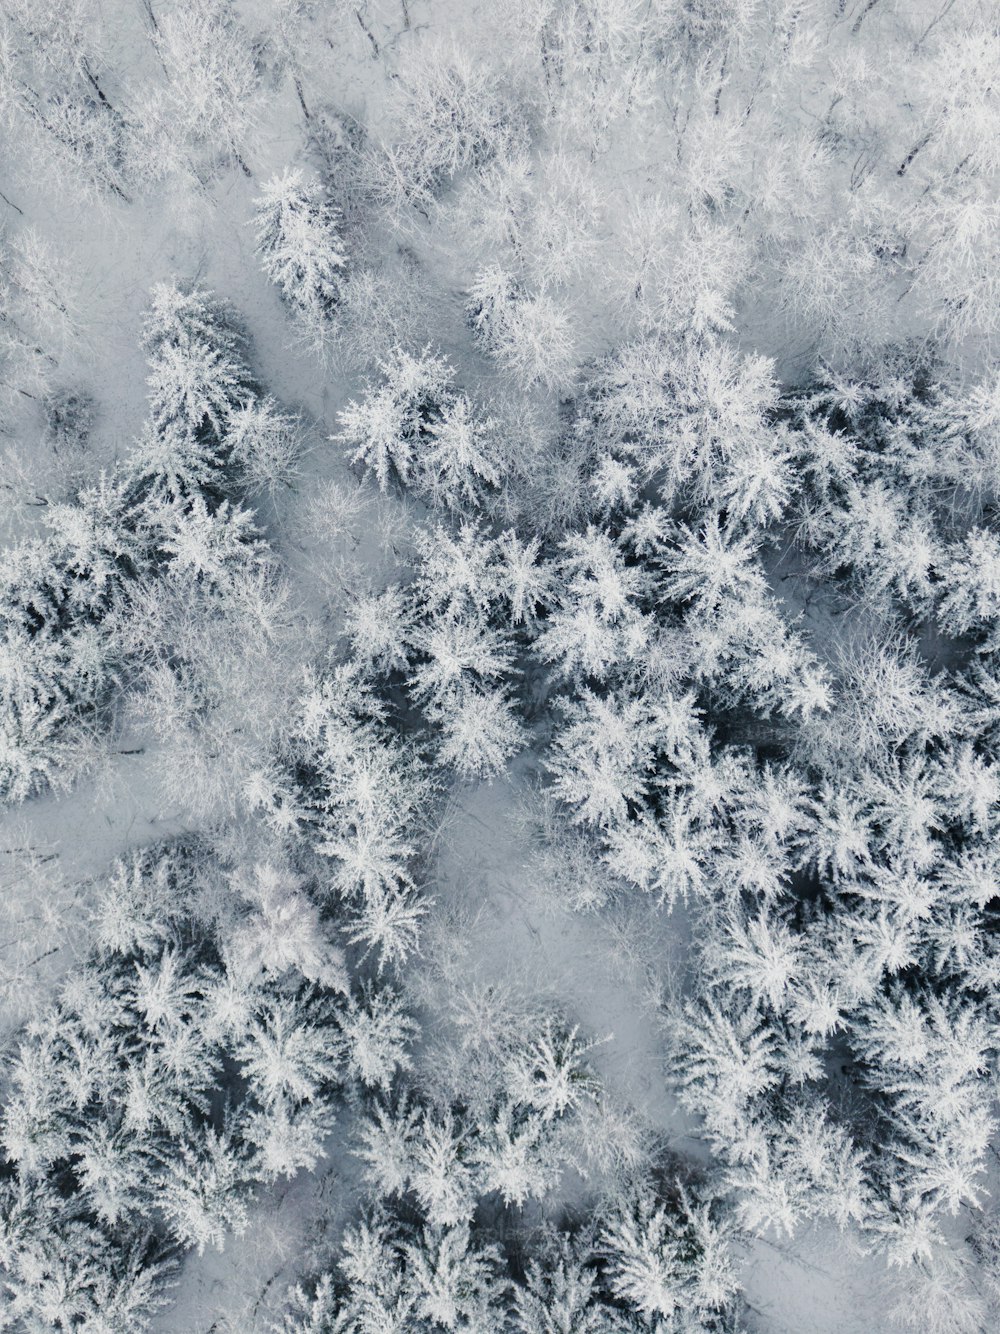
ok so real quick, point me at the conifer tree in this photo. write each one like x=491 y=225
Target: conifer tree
x=299 y=245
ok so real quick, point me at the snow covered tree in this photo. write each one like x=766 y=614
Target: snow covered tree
x=315 y=1310
x=206 y=113
x=379 y=1295
x=460 y=462
x=198 y=377
x=388 y=919
x=928 y=1053
x=668 y=1259
x=62 y=1272
x=300 y=247
x=759 y=955
x=512 y=1135
x=39 y=317
x=516 y=1156
x=365 y=792
x=378 y=1032
x=606 y=759
x=204 y=1192
x=723 y=1063
x=941 y=1296
x=419 y=429
x=455 y=1284
x=118 y=1083
x=887 y=701
x=287 y=1050
x=282 y=932
x=458 y=652
x=440 y=1175
x=811 y=1169
x=451 y=113
x=840 y=840
x=708 y=568
x=60 y=92
x=520 y=577
x=970 y=574
x=529 y=335
x=597 y=626
x=489 y=306
x=57 y=659
x=696 y=417
x=549 y=1072
x=479 y=730
x=560 y=1295
x=379 y=630
x=461 y=573
x=385 y=1145
x=182 y=316
x=389 y=428
x=890 y=461
x=208 y=549
x=288 y=1137
x=464 y=644
x=264 y=443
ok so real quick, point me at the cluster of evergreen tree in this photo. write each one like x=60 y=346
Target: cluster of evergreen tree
x=655 y=1260
x=206 y=1047
x=167 y=522
x=453 y=1164
x=605 y=520
x=829 y=823
x=198 y=1052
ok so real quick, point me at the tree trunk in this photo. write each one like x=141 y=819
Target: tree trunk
x=92 y=80
x=856 y=26
x=302 y=100
x=921 y=143
x=368 y=33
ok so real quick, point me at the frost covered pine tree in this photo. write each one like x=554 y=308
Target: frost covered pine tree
x=464 y=647
x=561 y=1293
x=451 y=112
x=388 y=428
x=530 y=335
x=417 y=428
x=299 y=244
x=668 y=1259
x=198 y=376
x=264 y=444
x=365 y=791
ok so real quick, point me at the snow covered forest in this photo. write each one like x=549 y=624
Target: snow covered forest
x=499 y=666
